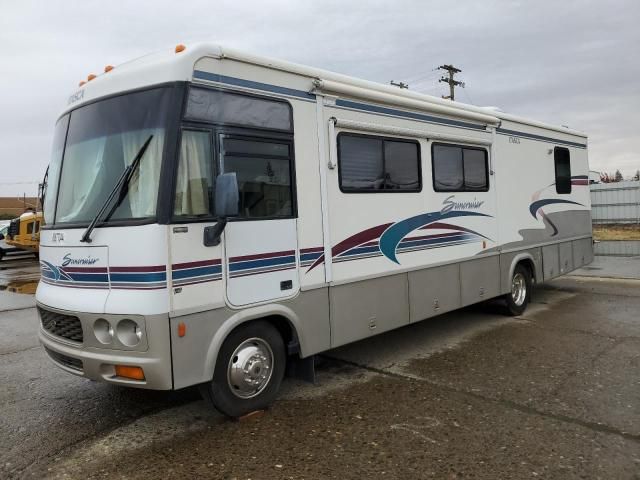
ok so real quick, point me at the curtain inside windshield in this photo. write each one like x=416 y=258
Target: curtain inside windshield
x=103 y=139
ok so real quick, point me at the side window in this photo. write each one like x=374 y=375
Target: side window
x=194 y=183
x=264 y=171
x=459 y=169
x=562 y=162
x=30 y=227
x=216 y=106
x=377 y=164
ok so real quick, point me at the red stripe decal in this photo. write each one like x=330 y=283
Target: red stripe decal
x=260 y=256
x=201 y=263
x=152 y=268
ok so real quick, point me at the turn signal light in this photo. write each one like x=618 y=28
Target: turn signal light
x=90 y=77
x=180 y=48
x=182 y=329
x=108 y=68
x=127 y=371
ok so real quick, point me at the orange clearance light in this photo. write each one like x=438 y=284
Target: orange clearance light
x=180 y=48
x=182 y=329
x=90 y=77
x=127 y=371
x=81 y=83
x=108 y=68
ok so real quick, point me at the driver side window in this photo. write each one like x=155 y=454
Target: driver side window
x=194 y=183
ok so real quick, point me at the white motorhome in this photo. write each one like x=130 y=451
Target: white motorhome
x=214 y=216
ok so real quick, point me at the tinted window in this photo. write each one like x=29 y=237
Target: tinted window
x=459 y=169
x=263 y=169
x=562 y=162
x=475 y=169
x=370 y=163
x=402 y=165
x=216 y=106
x=447 y=168
x=361 y=163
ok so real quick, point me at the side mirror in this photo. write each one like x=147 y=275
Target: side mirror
x=227 y=195
x=227 y=198
x=1 y=236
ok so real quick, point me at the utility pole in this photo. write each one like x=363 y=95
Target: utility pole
x=401 y=85
x=452 y=83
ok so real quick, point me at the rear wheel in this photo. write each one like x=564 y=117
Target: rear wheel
x=249 y=370
x=518 y=299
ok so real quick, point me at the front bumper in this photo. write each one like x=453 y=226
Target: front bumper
x=98 y=363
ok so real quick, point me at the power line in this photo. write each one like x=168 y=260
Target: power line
x=19 y=183
x=452 y=83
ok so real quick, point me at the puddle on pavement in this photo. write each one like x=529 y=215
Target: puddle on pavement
x=26 y=287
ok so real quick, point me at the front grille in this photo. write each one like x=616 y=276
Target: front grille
x=60 y=325
x=70 y=362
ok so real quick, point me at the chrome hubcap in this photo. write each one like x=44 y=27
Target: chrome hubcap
x=518 y=289
x=250 y=368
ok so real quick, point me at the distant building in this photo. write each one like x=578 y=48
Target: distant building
x=15 y=206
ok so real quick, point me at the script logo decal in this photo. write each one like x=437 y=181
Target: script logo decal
x=68 y=260
x=450 y=204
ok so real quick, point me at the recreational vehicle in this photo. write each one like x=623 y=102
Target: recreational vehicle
x=213 y=218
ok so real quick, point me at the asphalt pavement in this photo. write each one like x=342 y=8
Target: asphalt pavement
x=554 y=393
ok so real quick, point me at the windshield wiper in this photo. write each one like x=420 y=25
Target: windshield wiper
x=120 y=189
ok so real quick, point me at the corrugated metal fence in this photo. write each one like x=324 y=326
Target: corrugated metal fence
x=615 y=202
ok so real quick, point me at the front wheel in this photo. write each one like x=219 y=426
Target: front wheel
x=249 y=370
x=518 y=299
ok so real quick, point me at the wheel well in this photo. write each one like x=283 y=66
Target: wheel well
x=528 y=264
x=286 y=331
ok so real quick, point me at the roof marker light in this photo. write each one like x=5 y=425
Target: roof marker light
x=82 y=82
x=90 y=77
x=180 y=48
x=108 y=68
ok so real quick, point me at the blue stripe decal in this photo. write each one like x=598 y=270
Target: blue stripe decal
x=405 y=114
x=138 y=277
x=531 y=136
x=89 y=277
x=233 y=267
x=239 y=82
x=196 y=272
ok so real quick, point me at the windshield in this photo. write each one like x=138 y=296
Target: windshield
x=102 y=140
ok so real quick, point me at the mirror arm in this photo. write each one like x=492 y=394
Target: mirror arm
x=213 y=233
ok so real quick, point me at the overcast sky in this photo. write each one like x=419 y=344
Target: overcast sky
x=574 y=63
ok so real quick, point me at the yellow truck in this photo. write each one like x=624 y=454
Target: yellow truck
x=24 y=232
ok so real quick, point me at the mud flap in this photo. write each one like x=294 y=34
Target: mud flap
x=301 y=368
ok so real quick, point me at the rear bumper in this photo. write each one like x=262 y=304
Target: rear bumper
x=97 y=363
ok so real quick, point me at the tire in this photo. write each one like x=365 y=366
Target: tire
x=520 y=295
x=1 y=253
x=255 y=346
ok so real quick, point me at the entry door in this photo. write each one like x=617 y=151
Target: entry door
x=195 y=269
x=261 y=248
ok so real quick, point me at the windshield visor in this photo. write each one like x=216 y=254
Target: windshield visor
x=102 y=140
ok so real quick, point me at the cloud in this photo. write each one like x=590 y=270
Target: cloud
x=573 y=62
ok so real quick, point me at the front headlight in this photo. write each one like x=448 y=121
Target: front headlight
x=128 y=332
x=103 y=331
